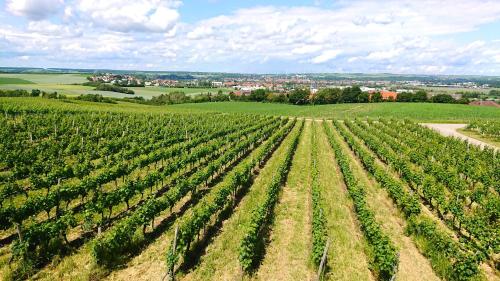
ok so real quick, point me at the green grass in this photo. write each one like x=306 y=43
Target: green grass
x=421 y=112
x=445 y=90
x=476 y=135
x=148 y=92
x=77 y=105
x=346 y=257
x=46 y=78
x=415 y=111
x=13 y=80
x=221 y=258
x=67 y=84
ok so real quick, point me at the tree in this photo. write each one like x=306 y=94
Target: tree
x=35 y=93
x=495 y=93
x=376 y=97
x=442 y=98
x=220 y=97
x=363 y=97
x=350 y=94
x=420 y=96
x=276 y=97
x=258 y=95
x=321 y=97
x=405 y=97
x=299 y=96
x=177 y=97
x=328 y=96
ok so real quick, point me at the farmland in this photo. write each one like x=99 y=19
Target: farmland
x=68 y=84
x=221 y=191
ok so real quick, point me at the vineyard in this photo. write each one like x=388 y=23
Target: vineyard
x=97 y=195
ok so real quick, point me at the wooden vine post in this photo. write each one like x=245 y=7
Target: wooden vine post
x=322 y=266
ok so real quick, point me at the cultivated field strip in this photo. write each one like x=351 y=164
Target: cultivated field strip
x=381 y=189
x=383 y=254
x=432 y=240
x=347 y=259
x=37 y=237
x=221 y=257
x=89 y=195
x=467 y=209
x=287 y=251
x=225 y=194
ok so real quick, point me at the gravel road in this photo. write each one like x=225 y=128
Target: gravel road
x=451 y=130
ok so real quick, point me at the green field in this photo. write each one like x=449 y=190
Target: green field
x=416 y=111
x=65 y=84
x=47 y=78
x=12 y=80
x=446 y=90
x=231 y=196
x=424 y=112
x=148 y=92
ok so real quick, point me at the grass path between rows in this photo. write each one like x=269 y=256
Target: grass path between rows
x=413 y=265
x=150 y=263
x=220 y=261
x=346 y=257
x=489 y=272
x=288 y=252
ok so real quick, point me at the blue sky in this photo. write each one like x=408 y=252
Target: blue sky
x=428 y=36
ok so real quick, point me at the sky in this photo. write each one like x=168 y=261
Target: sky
x=254 y=36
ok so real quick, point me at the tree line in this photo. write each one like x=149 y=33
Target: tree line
x=32 y=93
x=353 y=94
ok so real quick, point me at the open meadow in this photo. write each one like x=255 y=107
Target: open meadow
x=67 y=84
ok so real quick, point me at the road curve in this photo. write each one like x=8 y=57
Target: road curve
x=451 y=130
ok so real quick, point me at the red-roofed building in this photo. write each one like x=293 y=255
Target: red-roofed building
x=388 y=95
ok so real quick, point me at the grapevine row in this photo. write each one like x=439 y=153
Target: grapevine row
x=457 y=263
x=429 y=188
x=262 y=213
x=107 y=246
x=319 y=232
x=222 y=195
x=385 y=259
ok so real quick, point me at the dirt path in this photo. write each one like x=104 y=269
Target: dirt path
x=346 y=255
x=412 y=264
x=288 y=253
x=451 y=130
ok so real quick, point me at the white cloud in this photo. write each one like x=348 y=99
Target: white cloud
x=34 y=9
x=400 y=36
x=326 y=56
x=47 y=28
x=200 y=32
x=306 y=49
x=384 y=55
x=130 y=16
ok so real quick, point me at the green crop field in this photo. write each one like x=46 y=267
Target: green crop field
x=47 y=78
x=454 y=113
x=65 y=84
x=245 y=191
x=12 y=80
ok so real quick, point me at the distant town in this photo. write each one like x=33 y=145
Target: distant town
x=244 y=85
